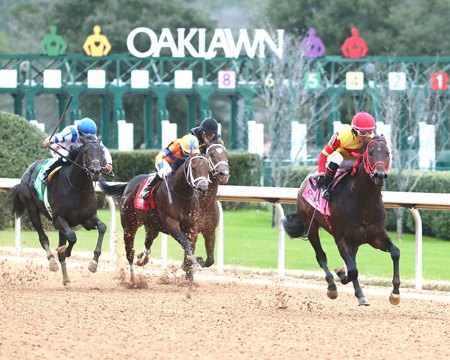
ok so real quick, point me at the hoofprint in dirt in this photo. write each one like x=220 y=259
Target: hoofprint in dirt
x=232 y=316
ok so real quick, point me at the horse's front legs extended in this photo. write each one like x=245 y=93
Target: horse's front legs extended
x=349 y=256
x=386 y=245
x=95 y=223
x=65 y=234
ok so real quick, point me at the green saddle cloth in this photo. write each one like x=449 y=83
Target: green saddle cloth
x=38 y=184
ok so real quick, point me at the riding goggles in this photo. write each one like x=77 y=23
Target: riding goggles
x=364 y=133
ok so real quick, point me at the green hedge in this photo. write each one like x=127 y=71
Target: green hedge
x=20 y=145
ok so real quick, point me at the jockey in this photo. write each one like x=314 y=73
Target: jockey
x=70 y=138
x=207 y=133
x=348 y=139
x=180 y=148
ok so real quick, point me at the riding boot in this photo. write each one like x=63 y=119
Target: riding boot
x=329 y=176
x=145 y=193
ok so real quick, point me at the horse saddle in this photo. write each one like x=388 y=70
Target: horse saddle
x=146 y=204
x=39 y=184
x=314 y=197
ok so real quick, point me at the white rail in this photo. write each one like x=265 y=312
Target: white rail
x=278 y=196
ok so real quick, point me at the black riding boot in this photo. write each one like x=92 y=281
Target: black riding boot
x=46 y=173
x=329 y=176
x=145 y=193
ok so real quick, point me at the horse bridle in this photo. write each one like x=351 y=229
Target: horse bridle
x=213 y=167
x=189 y=174
x=368 y=167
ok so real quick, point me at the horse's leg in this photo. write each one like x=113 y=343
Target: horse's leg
x=129 y=232
x=321 y=258
x=150 y=234
x=349 y=256
x=387 y=245
x=95 y=223
x=65 y=233
x=43 y=238
x=210 y=244
x=62 y=257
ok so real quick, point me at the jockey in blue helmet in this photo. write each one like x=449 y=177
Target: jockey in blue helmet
x=70 y=138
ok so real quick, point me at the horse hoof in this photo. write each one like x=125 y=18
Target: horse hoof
x=332 y=294
x=142 y=261
x=67 y=285
x=93 y=266
x=362 y=301
x=53 y=265
x=394 y=299
x=61 y=249
x=340 y=272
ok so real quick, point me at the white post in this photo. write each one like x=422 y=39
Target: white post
x=220 y=247
x=168 y=132
x=281 y=240
x=427 y=146
x=298 y=142
x=126 y=136
x=164 y=238
x=255 y=137
x=112 y=227
x=17 y=235
x=418 y=221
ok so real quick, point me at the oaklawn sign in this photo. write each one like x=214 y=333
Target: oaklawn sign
x=222 y=40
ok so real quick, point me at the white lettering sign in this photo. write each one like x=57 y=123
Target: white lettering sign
x=222 y=41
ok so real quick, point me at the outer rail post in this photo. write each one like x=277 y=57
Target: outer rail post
x=418 y=221
x=281 y=239
x=220 y=252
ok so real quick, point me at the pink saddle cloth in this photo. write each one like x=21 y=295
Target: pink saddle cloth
x=314 y=197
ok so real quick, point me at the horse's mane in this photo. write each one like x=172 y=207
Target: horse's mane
x=178 y=163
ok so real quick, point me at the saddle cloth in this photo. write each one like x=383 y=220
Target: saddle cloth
x=313 y=195
x=38 y=184
x=145 y=204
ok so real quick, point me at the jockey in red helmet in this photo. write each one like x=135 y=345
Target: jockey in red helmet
x=348 y=139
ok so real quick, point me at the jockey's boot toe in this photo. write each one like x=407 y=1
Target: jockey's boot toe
x=145 y=193
x=45 y=179
x=326 y=194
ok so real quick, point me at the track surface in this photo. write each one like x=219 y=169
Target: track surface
x=224 y=317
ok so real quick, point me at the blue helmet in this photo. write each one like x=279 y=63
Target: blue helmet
x=87 y=127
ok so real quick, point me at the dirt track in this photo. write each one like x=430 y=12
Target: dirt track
x=223 y=318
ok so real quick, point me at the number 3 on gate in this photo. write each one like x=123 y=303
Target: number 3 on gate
x=439 y=81
x=227 y=79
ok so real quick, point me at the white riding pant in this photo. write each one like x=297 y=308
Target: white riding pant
x=60 y=150
x=335 y=157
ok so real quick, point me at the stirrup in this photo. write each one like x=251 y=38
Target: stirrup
x=145 y=193
x=326 y=194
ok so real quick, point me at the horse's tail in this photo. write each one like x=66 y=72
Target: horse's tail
x=112 y=190
x=17 y=205
x=293 y=225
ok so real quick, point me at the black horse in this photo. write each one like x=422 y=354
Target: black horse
x=357 y=216
x=72 y=201
x=177 y=210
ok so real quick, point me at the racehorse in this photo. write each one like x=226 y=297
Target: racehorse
x=72 y=201
x=356 y=217
x=208 y=219
x=177 y=210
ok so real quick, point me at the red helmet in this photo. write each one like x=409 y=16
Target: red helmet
x=363 y=121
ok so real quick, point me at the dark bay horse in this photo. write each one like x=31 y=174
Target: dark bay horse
x=357 y=216
x=208 y=219
x=178 y=218
x=72 y=200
